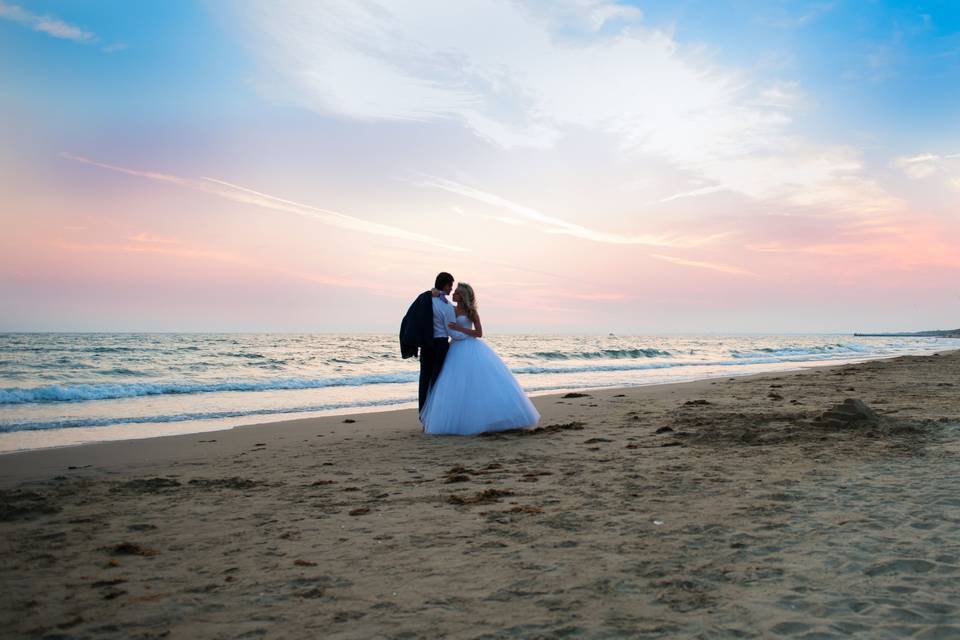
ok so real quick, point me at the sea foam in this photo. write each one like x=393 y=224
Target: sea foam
x=83 y=392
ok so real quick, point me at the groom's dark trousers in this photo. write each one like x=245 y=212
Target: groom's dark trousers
x=416 y=335
x=431 y=362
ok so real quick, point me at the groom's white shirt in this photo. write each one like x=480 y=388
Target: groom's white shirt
x=443 y=314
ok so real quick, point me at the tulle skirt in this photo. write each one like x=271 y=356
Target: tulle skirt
x=476 y=393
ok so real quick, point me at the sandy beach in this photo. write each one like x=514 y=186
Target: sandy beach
x=712 y=509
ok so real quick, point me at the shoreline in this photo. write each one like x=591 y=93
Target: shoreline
x=239 y=422
x=171 y=447
x=335 y=424
x=713 y=508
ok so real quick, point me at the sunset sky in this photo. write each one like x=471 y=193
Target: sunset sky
x=588 y=166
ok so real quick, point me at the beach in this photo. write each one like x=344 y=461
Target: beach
x=708 y=509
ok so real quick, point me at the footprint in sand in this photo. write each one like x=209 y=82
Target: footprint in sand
x=902 y=565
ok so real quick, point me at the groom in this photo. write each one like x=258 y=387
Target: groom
x=425 y=328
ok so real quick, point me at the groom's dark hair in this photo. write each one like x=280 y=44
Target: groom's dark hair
x=444 y=279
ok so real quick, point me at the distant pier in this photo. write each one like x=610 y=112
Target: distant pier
x=940 y=333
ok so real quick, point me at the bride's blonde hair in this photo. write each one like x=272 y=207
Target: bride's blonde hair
x=469 y=300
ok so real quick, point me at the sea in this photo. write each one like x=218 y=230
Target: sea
x=62 y=389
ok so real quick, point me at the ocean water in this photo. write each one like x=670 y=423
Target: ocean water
x=62 y=389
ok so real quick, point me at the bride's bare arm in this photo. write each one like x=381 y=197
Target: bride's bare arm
x=476 y=332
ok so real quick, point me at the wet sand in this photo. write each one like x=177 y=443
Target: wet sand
x=711 y=509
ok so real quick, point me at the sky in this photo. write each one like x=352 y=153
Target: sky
x=588 y=166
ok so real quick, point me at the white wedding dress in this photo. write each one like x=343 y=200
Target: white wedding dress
x=475 y=392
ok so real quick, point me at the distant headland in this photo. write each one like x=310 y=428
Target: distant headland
x=939 y=333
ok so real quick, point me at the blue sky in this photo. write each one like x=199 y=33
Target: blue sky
x=887 y=68
x=869 y=64
x=728 y=154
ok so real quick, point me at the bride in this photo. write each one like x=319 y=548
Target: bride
x=475 y=391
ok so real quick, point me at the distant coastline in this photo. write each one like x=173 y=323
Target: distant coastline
x=939 y=333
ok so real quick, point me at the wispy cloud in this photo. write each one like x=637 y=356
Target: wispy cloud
x=47 y=24
x=883 y=243
x=150 y=238
x=514 y=222
x=712 y=266
x=179 y=250
x=784 y=20
x=551 y=224
x=695 y=193
x=556 y=70
x=553 y=67
x=262 y=200
x=919 y=166
x=589 y=296
x=137 y=246
x=781 y=95
x=923 y=165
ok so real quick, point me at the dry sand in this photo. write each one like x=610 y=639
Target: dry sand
x=702 y=510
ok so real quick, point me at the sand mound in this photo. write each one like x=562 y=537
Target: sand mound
x=851 y=413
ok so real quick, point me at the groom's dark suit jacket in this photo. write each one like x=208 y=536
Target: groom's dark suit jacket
x=416 y=329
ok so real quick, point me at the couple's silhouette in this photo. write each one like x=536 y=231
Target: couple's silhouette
x=465 y=388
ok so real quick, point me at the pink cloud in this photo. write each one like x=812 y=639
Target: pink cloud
x=269 y=202
x=175 y=249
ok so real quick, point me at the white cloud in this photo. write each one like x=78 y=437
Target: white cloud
x=244 y=195
x=554 y=69
x=699 y=264
x=781 y=95
x=547 y=69
x=45 y=24
x=694 y=193
x=923 y=165
x=781 y=18
x=802 y=174
x=600 y=13
x=552 y=224
x=514 y=222
x=919 y=166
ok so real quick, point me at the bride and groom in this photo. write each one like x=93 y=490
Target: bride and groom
x=465 y=388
